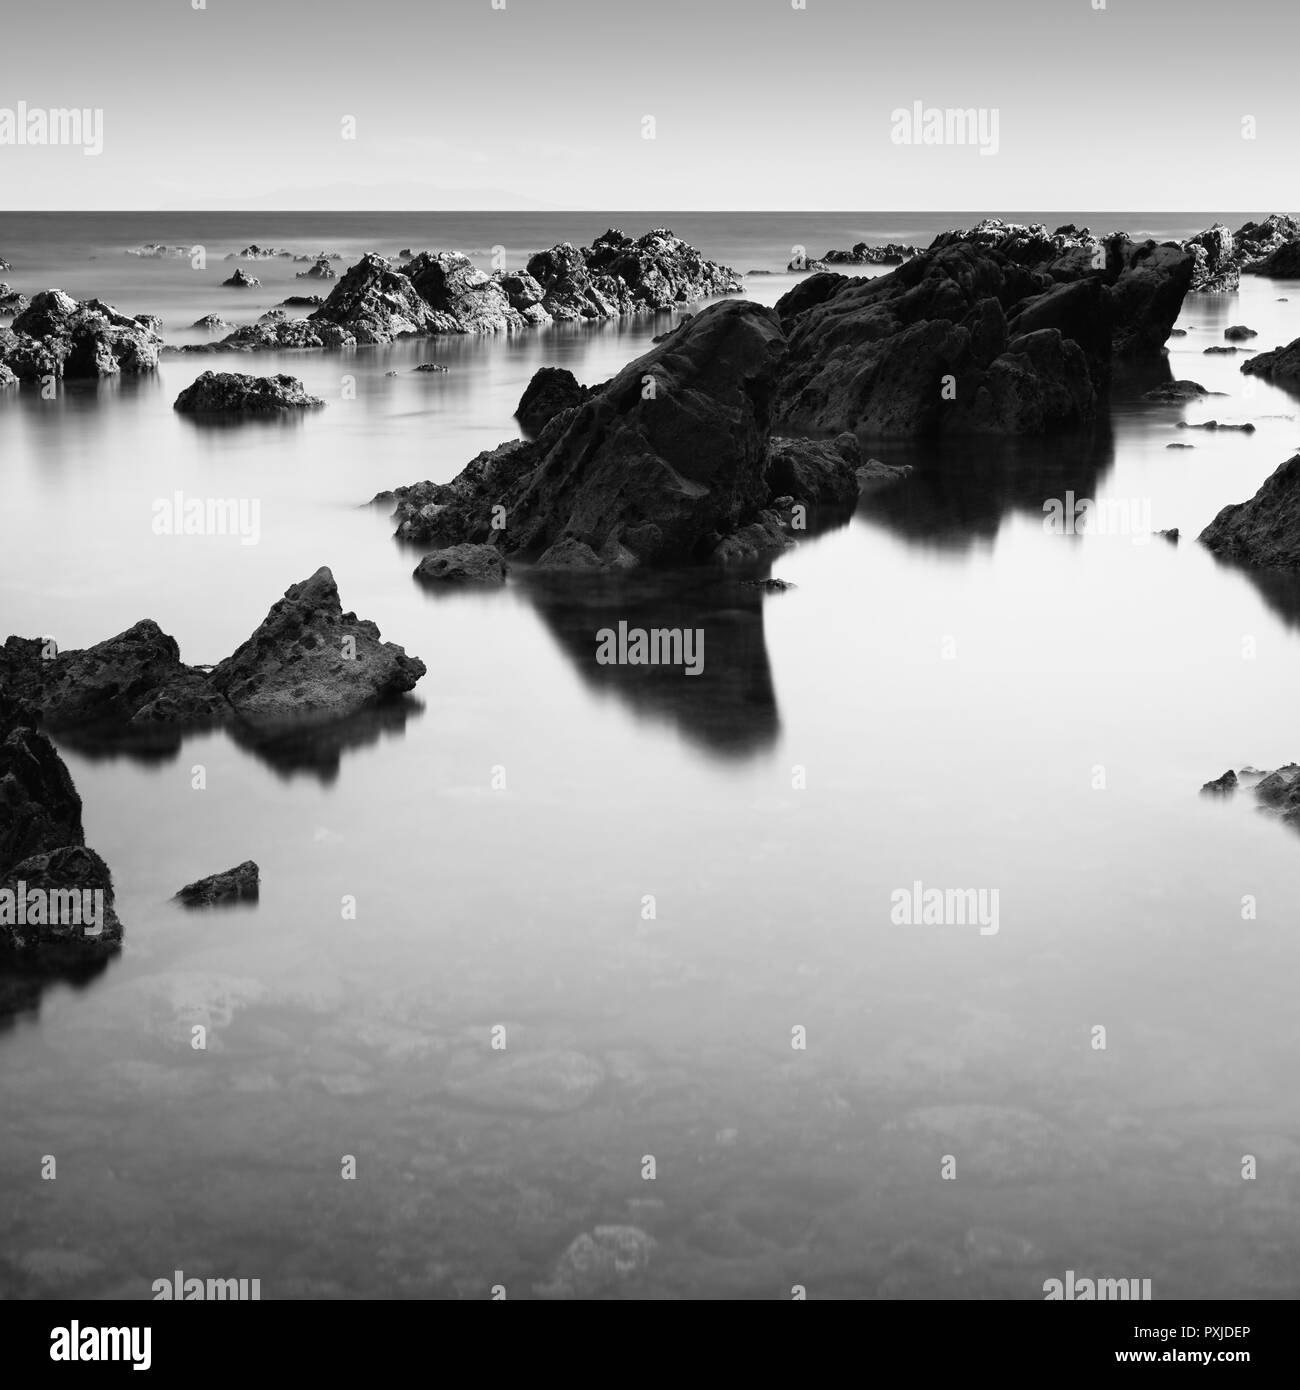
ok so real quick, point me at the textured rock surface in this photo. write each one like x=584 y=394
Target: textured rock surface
x=239 y=884
x=1282 y=365
x=236 y=393
x=463 y=564
x=551 y=390
x=1264 y=531
x=56 y=335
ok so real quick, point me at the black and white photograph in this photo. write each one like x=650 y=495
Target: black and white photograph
x=649 y=653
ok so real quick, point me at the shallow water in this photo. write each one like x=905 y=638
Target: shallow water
x=951 y=695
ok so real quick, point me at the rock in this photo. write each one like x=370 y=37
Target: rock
x=1280 y=791
x=254 y=252
x=1171 y=535
x=308 y=657
x=596 y=1261
x=322 y=270
x=212 y=324
x=1282 y=365
x=1238 y=333
x=1265 y=531
x=4 y=265
x=814 y=471
x=239 y=884
x=552 y=390
x=463 y=564
x=768 y=586
x=926 y=350
x=104 y=684
x=376 y=304
x=302 y=301
x=1221 y=786
x=630 y=476
x=872 y=473
x=278 y=334
x=11 y=302
x=1173 y=392
x=460 y=297
x=7 y=378
x=240 y=280
x=233 y=392
x=154 y=251
x=1218 y=350
x=39 y=806
x=1180 y=446
x=891 y=253
x=1283 y=263
x=273 y=316
x=1178 y=333
x=429 y=367
x=1247 y=428
x=59 y=336
x=88 y=932
x=1216 y=269
x=523 y=292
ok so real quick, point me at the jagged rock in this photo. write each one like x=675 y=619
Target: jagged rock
x=11 y=302
x=63 y=337
x=871 y=473
x=276 y=315
x=1238 y=333
x=254 y=252
x=769 y=586
x=233 y=392
x=1265 y=531
x=376 y=304
x=308 y=657
x=1219 y=350
x=4 y=265
x=302 y=301
x=552 y=390
x=39 y=806
x=276 y=335
x=1221 y=786
x=434 y=367
x=241 y=280
x=892 y=253
x=322 y=270
x=463 y=564
x=523 y=292
x=460 y=297
x=1280 y=791
x=814 y=471
x=926 y=349
x=103 y=684
x=240 y=884
x=1282 y=365
x=1216 y=268
x=1174 y=392
x=213 y=324
x=1283 y=263
x=1247 y=428
x=1171 y=535
x=154 y=250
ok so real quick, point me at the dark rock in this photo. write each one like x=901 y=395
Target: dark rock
x=1171 y=535
x=814 y=471
x=240 y=280
x=273 y=316
x=1247 y=428
x=891 y=253
x=1265 y=531
x=872 y=473
x=302 y=301
x=1218 y=350
x=1217 y=268
x=770 y=586
x=7 y=378
x=59 y=336
x=1283 y=263
x=1173 y=392
x=1280 y=791
x=463 y=564
x=67 y=873
x=308 y=657
x=39 y=806
x=1178 y=333
x=11 y=302
x=1238 y=333
x=1180 y=446
x=376 y=304
x=239 y=884
x=460 y=297
x=552 y=390
x=155 y=251
x=429 y=367
x=254 y=252
x=226 y=392
x=1282 y=365
x=322 y=270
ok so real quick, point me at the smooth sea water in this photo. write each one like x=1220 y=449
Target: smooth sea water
x=951 y=695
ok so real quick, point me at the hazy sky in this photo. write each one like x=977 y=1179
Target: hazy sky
x=756 y=104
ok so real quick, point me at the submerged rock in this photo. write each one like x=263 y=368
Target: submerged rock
x=1265 y=531
x=308 y=657
x=463 y=564
x=234 y=392
x=240 y=884
x=1173 y=392
x=1220 y=786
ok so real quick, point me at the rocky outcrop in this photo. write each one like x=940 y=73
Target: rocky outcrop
x=50 y=916
x=308 y=657
x=227 y=393
x=658 y=464
x=1282 y=365
x=1239 y=333
x=892 y=253
x=241 y=280
x=1280 y=792
x=1176 y=392
x=254 y=252
x=1216 y=268
x=156 y=251
x=7 y=378
x=11 y=302
x=1265 y=531
x=322 y=270
x=460 y=298
x=552 y=390
x=373 y=303
x=928 y=349
x=463 y=564
x=59 y=336
x=1221 y=786
x=818 y=472
x=211 y=323
x=240 y=884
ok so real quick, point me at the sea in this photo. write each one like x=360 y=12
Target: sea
x=568 y=958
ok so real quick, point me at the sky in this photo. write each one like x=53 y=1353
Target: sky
x=756 y=104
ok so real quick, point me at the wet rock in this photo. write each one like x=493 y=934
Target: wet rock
x=814 y=471
x=1280 y=791
x=435 y=367
x=872 y=473
x=1265 y=531
x=1221 y=786
x=597 y=1262
x=1180 y=446
x=241 y=280
x=322 y=270
x=1247 y=428
x=1216 y=269
x=39 y=806
x=302 y=301
x=1171 y=535
x=212 y=323
x=768 y=586
x=59 y=336
x=1282 y=365
x=308 y=657
x=254 y=252
x=234 y=392
x=1238 y=333
x=1219 y=350
x=1283 y=263
x=552 y=390
x=7 y=378
x=376 y=304
x=239 y=884
x=460 y=297
x=1173 y=392
x=155 y=251
x=463 y=564
x=83 y=933
x=892 y=253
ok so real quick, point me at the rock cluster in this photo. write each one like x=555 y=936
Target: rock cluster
x=235 y=393
x=59 y=336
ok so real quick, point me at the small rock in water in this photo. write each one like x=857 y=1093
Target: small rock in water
x=430 y=367
x=1215 y=425
x=772 y=586
x=1173 y=391
x=213 y=324
x=1180 y=446
x=463 y=564
x=239 y=884
x=1238 y=333
x=235 y=392
x=1170 y=535
x=1218 y=350
x=1178 y=333
x=1222 y=785
x=240 y=281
